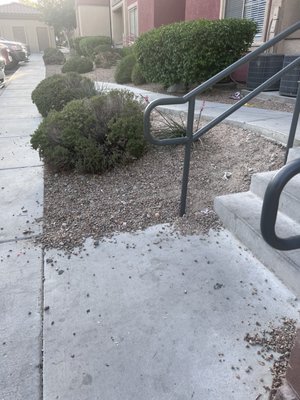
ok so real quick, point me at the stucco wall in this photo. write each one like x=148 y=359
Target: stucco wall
x=207 y=9
x=93 y=20
x=290 y=15
x=30 y=26
x=146 y=15
x=284 y=13
x=154 y=13
x=168 y=11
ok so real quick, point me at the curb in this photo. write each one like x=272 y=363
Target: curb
x=291 y=387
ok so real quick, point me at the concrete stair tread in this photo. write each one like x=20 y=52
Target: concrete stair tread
x=263 y=178
x=240 y=214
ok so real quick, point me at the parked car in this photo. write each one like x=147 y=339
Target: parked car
x=18 y=51
x=5 y=54
x=2 y=74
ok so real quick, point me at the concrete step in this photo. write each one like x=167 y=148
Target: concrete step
x=294 y=153
x=240 y=214
x=290 y=197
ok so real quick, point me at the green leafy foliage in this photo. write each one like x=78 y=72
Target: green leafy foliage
x=191 y=52
x=58 y=13
x=106 y=59
x=78 y=64
x=53 y=56
x=74 y=44
x=55 y=92
x=87 y=45
x=124 y=69
x=92 y=135
x=137 y=76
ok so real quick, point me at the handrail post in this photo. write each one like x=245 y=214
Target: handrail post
x=187 y=155
x=294 y=124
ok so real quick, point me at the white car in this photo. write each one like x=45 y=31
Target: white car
x=2 y=74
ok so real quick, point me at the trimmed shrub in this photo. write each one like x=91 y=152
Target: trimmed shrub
x=102 y=48
x=92 y=135
x=106 y=59
x=136 y=76
x=78 y=64
x=53 y=56
x=124 y=69
x=74 y=44
x=87 y=45
x=55 y=92
x=191 y=52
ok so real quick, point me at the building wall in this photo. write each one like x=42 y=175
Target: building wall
x=93 y=20
x=168 y=11
x=146 y=15
x=204 y=9
x=289 y=13
x=6 y=31
x=118 y=21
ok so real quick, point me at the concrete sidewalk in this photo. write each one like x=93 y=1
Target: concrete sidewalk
x=152 y=315
x=272 y=124
x=21 y=189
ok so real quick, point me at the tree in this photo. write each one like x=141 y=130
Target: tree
x=60 y=14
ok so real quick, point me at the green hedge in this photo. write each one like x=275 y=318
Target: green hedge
x=74 y=44
x=53 y=56
x=124 y=69
x=54 y=92
x=87 y=45
x=136 y=76
x=92 y=135
x=78 y=64
x=191 y=52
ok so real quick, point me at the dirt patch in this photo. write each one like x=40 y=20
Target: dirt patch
x=147 y=192
x=274 y=346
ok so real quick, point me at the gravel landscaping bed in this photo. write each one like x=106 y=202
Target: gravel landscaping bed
x=147 y=192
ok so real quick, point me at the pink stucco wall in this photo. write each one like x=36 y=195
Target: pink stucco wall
x=168 y=11
x=154 y=13
x=206 y=9
x=146 y=15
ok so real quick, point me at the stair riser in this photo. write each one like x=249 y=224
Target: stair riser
x=277 y=262
x=293 y=154
x=288 y=204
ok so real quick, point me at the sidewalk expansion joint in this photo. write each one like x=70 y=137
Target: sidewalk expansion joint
x=18 y=239
x=26 y=166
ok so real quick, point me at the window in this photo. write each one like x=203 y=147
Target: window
x=133 y=23
x=250 y=9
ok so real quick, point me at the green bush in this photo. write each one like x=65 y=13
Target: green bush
x=191 y=52
x=136 y=76
x=55 y=92
x=74 y=44
x=106 y=59
x=124 y=69
x=92 y=135
x=53 y=56
x=87 y=45
x=102 y=48
x=78 y=64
